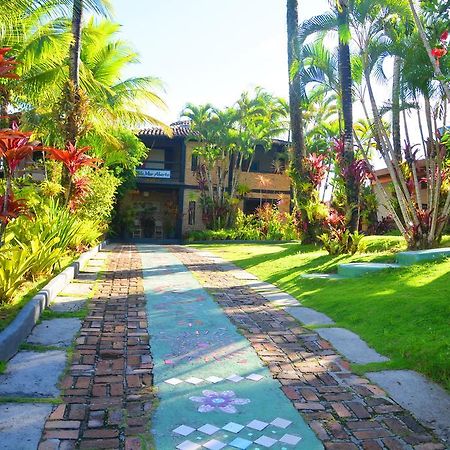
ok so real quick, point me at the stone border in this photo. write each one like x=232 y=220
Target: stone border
x=14 y=334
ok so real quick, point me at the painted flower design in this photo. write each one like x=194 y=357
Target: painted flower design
x=225 y=401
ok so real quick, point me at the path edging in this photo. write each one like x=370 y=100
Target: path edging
x=14 y=334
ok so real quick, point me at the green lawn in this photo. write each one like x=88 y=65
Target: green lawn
x=403 y=314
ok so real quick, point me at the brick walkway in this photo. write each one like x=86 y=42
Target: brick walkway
x=108 y=399
x=345 y=411
x=107 y=394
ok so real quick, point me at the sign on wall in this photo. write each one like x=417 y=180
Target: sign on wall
x=153 y=173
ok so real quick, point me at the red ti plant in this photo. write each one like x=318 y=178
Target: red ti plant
x=10 y=208
x=7 y=65
x=73 y=160
x=15 y=146
x=80 y=191
x=315 y=168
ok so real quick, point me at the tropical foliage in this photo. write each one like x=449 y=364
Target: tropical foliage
x=66 y=111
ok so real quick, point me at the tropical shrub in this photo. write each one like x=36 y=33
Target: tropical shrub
x=268 y=223
x=99 y=202
x=14 y=265
x=338 y=239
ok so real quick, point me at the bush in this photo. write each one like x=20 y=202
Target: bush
x=268 y=223
x=99 y=202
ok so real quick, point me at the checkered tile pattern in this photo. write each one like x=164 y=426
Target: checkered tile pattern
x=233 y=378
x=266 y=440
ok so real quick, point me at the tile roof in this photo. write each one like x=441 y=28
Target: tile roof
x=179 y=129
x=182 y=129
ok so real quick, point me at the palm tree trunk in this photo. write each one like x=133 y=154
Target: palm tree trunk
x=73 y=88
x=296 y=117
x=345 y=76
x=396 y=139
x=75 y=47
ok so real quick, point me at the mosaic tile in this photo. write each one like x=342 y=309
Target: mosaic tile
x=214 y=379
x=184 y=430
x=194 y=380
x=188 y=445
x=208 y=429
x=214 y=444
x=235 y=378
x=254 y=377
x=280 y=423
x=257 y=425
x=173 y=381
x=241 y=443
x=265 y=441
x=290 y=439
x=232 y=427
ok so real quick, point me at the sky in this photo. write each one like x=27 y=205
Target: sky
x=210 y=51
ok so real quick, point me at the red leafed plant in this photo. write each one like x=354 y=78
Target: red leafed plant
x=10 y=208
x=81 y=190
x=73 y=158
x=316 y=168
x=7 y=65
x=15 y=146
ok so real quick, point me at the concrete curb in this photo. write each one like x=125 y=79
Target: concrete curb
x=16 y=332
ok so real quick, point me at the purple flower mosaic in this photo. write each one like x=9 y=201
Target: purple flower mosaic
x=225 y=401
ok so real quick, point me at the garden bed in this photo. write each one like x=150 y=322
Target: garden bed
x=21 y=324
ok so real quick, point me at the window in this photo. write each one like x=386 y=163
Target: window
x=194 y=163
x=191 y=213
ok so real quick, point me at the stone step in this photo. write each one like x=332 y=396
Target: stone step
x=33 y=374
x=354 y=270
x=429 y=402
x=414 y=257
x=55 y=332
x=65 y=303
x=308 y=316
x=21 y=425
x=351 y=345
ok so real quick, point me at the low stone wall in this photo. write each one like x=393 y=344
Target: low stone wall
x=17 y=331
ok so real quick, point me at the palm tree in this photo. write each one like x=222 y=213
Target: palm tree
x=294 y=62
x=115 y=103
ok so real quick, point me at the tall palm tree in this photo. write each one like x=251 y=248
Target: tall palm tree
x=294 y=62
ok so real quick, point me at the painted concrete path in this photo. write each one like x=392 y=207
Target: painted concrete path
x=214 y=392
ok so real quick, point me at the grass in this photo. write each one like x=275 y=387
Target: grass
x=48 y=400
x=403 y=314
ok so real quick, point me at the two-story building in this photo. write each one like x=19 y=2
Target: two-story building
x=165 y=204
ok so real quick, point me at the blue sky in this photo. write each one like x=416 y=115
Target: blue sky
x=210 y=50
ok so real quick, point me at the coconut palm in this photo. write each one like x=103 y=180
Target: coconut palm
x=295 y=88
x=114 y=103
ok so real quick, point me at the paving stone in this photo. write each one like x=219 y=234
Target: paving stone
x=74 y=289
x=91 y=269
x=280 y=299
x=426 y=400
x=351 y=345
x=58 y=332
x=21 y=425
x=67 y=304
x=33 y=374
x=86 y=276
x=308 y=316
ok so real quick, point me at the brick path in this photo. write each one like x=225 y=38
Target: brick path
x=107 y=394
x=347 y=412
x=108 y=399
